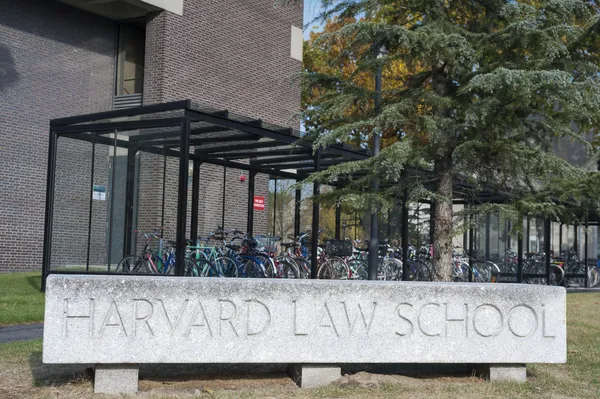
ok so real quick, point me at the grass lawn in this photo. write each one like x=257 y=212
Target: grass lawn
x=23 y=375
x=20 y=298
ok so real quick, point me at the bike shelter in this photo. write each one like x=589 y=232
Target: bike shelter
x=111 y=172
x=175 y=134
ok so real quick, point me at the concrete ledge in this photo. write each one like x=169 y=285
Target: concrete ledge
x=156 y=319
x=314 y=375
x=114 y=379
x=503 y=372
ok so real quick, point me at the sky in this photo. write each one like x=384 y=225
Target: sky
x=311 y=10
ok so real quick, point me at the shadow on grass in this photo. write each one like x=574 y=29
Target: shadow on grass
x=55 y=374
x=228 y=376
x=35 y=282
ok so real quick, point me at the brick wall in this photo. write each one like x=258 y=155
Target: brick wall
x=232 y=55
x=58 y=61
x=55 y=61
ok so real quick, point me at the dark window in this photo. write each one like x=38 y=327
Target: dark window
x=130 y=59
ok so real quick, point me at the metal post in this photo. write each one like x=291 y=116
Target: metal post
x=466 y=232
x=508 y=238
x=195 y=200
x=355 y=226
x=488 y=222
x=129 y=193
x=112 y=200
x=585 y=250
x=373 y=256
x=374 y=243
x=89 y=237
x=431 y=221
x=528 y=228
x=576 y=239
x=560 y=239
x=224 y=188
x=338 y=220
x=50 y=183
x=471 y=247
x=297 y=203
x=404 y=237
x=389 y=225
x=275 y=207
x=520 y=257
x=184 y=165
x=315 y=220
x=162 y=208
x=251 y=184
x=547 y=248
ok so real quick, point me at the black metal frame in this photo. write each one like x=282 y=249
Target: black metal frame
x=274 y=150
x=236 y=142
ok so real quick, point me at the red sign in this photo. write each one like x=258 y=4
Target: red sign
x=259 y=203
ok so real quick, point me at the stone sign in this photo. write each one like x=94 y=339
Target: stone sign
x=133 y=320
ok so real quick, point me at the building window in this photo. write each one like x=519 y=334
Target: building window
x=130 y=59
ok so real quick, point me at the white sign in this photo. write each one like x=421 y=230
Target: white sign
x=99 y=193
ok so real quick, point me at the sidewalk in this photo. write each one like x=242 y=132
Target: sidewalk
x=21 y=332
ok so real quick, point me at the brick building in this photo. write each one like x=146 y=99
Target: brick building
x=70 y=57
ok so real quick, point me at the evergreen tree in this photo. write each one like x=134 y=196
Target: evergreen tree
x=481 y=90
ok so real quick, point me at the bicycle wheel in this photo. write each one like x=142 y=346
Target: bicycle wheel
x=594 y=277
x=394 y=268
x=189 y=268
x=253 y=268
x=303 y=266
x=268 y=263
x=131 y=264
x=288 y=268
x=225 y=267
x=557 y=275
x=381 y=270
x=333 y=268
x=358 y=269
x=415 y=271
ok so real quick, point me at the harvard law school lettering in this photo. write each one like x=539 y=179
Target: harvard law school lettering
x=155 y=319
x=213 y=318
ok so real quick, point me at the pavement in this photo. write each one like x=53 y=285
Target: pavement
x=21 y=332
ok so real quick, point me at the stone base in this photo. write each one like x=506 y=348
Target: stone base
x=114 y=379
x=503 y=372
x=314 y=375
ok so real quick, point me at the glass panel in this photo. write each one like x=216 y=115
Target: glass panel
x=101 y=207
x=71 y=204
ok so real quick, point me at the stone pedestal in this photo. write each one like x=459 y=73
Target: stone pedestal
x=125 y=321
x=314 y=375
x=114 y=379
x=503 y=372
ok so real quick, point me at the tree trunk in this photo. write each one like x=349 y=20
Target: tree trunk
x=442 y=233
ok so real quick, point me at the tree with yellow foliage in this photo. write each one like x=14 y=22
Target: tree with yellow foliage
x=477 y=90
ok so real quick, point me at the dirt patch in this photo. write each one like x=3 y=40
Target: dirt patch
x=363 y=379
x=217 y=382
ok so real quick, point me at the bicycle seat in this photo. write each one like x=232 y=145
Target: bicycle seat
x=287 y=245
x=233 y=247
